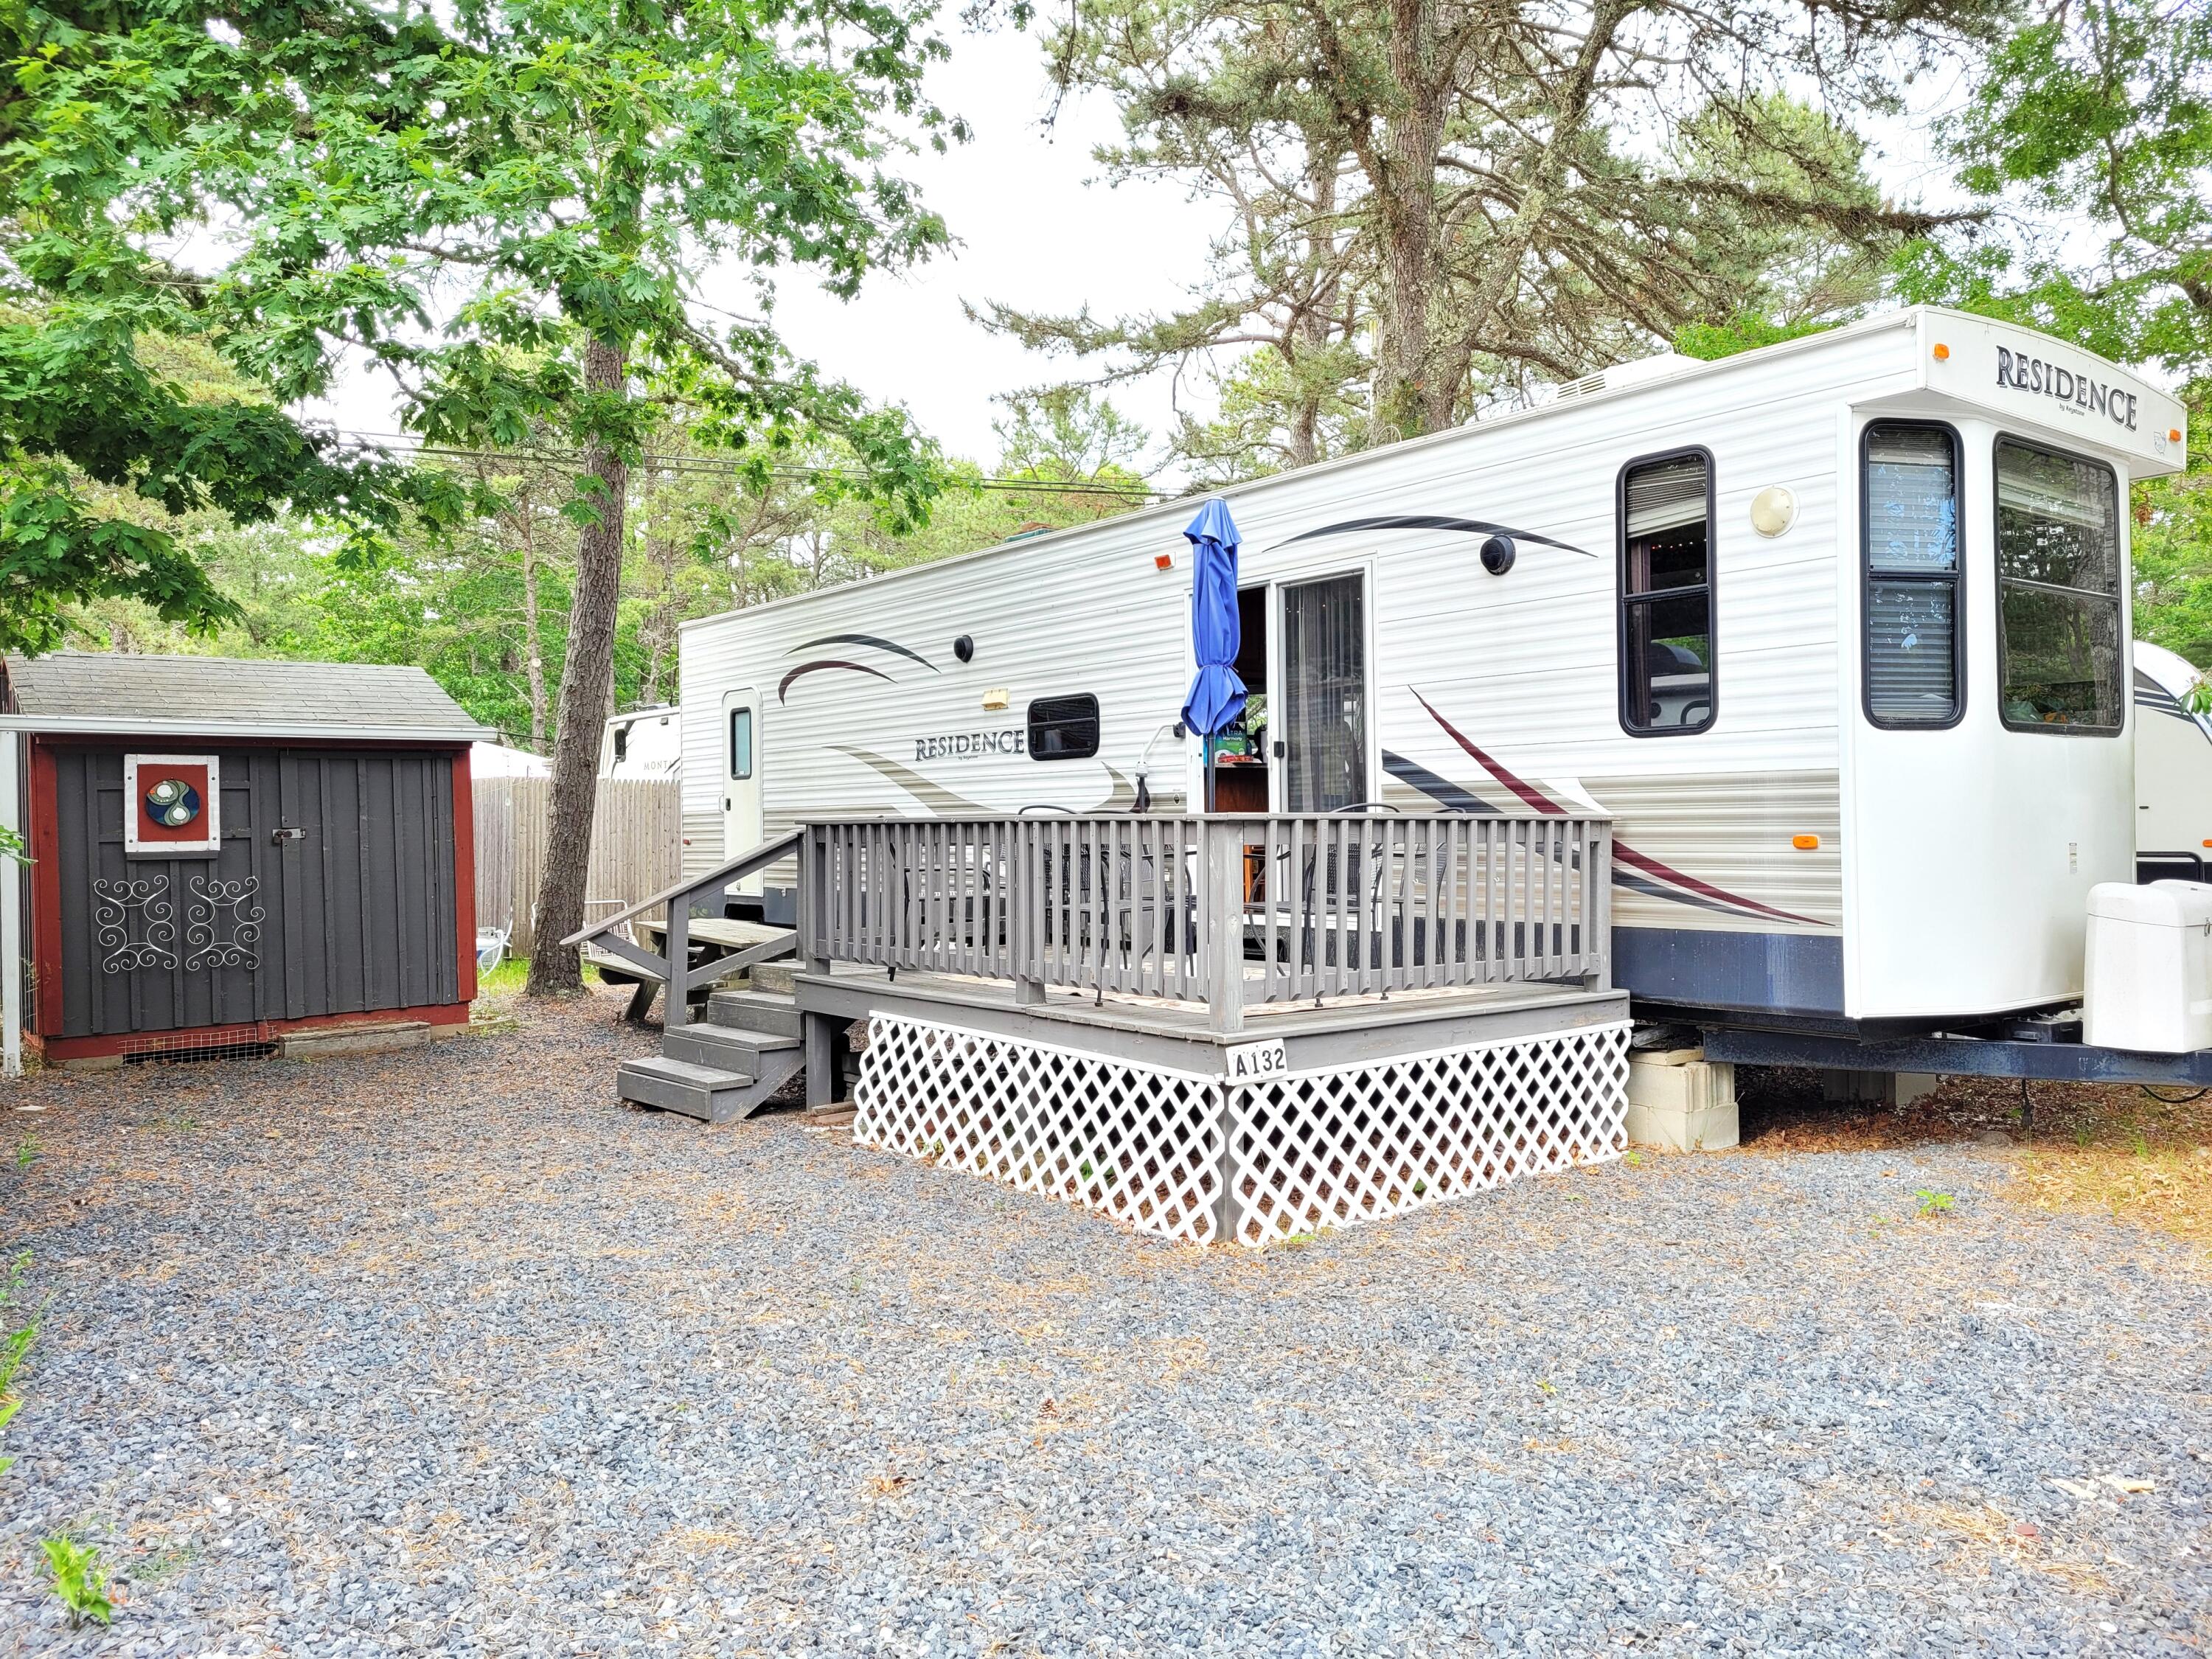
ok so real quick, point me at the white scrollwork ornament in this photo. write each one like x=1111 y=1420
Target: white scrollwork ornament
x=223 y=926
x=134 y=924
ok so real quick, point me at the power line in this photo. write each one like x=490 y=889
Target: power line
x=710 y=464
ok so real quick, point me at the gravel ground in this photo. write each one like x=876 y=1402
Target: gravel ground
x=447 y=1352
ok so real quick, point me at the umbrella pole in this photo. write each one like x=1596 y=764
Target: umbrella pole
x=1209 y=774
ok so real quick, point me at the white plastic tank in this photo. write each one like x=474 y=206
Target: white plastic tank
x=2149 y=972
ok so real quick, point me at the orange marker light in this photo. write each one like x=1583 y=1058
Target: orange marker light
x=1163 y=561
x=1942 y=353
x=1804 y=843
x=2174 y=436
x=2208 y=841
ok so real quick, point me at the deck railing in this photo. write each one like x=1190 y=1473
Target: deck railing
x=1226 y=910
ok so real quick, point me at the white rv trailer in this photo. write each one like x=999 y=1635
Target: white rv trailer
x=642 y=744
x=1837 y=630
x=2173 y=769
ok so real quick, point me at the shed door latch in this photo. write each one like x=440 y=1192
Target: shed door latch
x=278 y=837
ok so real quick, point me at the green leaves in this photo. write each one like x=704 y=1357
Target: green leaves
x=78 y=1580
x=2095 y=116
x=460 y=198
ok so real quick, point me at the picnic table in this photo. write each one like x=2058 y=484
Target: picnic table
x=712 y=936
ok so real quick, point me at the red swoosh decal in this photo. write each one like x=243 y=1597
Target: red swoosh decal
x=1527 y=791
x=1630 y=856
x=1621 y=850
x=808 y=667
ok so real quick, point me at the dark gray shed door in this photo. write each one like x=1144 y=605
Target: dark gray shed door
x=354 y=915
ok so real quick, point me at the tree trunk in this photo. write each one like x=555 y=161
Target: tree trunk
x=587 y=693
x=1412 y=136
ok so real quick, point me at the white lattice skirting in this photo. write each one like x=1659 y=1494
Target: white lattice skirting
x=1329 y=1148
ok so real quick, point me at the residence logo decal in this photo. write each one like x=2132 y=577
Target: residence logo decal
x=1014 y=742
x=2025 y=374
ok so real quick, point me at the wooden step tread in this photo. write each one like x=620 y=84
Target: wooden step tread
x=683 y=1071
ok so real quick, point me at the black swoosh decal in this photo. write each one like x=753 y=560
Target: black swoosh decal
x=1434 y=785
x=875 y=639
x=809 y=667
x=1432 y=521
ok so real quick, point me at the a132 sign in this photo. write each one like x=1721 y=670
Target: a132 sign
x=1254 y=1062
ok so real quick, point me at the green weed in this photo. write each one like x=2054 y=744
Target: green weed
x=15 y=1346
x=26 y=1151
x=78 y=1579
x=163 y=1565
x=505 y=980
x=1931 y=1203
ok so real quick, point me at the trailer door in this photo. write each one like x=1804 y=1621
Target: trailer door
x=741 y=779
x=1322 y=716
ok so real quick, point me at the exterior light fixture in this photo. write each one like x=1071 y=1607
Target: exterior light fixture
x=999 y=697
x=1773 y=510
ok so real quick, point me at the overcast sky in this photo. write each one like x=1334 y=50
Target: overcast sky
x=1034 y=226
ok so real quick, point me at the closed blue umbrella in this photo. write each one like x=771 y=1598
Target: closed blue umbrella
x=1215 y=700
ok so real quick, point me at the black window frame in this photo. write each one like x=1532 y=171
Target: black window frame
x=1623 y=598
x=1957 y=578
x=752 y=745
x=1031 y=719
x=2121 y=554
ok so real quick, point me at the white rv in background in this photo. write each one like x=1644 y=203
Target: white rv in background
x=1836 y=630
x=2173 y=770
x=646 y=742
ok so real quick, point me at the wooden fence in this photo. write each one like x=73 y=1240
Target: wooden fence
x=637 y=848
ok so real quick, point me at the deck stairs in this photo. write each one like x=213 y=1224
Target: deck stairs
x=727 y=1067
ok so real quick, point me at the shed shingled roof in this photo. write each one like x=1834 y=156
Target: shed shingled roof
x=80 y=690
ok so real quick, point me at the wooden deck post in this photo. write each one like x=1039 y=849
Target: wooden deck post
x=818 y=1038
x=676 y=1001
x=1026 y=917
x=814 y=898
x=1223 y=923
x=1598 y=878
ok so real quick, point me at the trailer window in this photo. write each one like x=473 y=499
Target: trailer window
x=1064 y=728
x=741 y=744
x=1912 y=609
x=2059 y=644
x=1667 y=594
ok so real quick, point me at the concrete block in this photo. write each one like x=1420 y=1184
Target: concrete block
x=333 y=1041
x=1682 y=1101
x=1891 y=1089
x=1905 y=1087
x=92 y=1063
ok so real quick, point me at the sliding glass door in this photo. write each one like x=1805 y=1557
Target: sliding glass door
x=1323 y=717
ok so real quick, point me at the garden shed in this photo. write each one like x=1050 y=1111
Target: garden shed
x=231 y=857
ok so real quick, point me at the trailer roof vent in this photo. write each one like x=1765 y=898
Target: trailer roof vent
x=1654 y=367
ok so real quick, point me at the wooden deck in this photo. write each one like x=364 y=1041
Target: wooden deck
x=1341 y=1030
